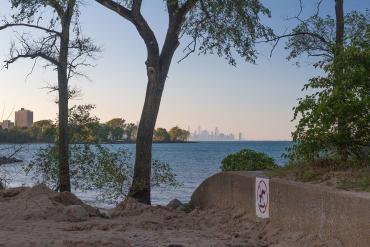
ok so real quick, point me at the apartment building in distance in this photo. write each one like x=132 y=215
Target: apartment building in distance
x=7 y=125
x=23 y=118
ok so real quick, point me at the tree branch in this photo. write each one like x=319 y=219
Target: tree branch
x=118 y=8
x=58 y=8
x=315 y=35
x=7 y=25
x=135 y=17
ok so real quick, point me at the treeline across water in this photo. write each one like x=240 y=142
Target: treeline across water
x=85 y=128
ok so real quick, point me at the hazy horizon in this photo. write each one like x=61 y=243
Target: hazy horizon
x=256 y=100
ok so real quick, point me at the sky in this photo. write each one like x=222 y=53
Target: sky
x=255 y=99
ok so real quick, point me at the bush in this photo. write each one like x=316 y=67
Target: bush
x=94 y=167
x=247 y=160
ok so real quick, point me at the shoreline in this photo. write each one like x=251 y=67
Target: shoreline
x=38 y=216
x=110 y=142
x=157 y=142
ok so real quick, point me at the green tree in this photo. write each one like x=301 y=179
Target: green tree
x=325 y=38
x=83 y=126
x=43 y=130
x=103 y=133
x=131 y=131
x=93 y=166
x=178 y=134
x=59 y=42
x=116 y=128
x=317 y=133
x=222 y=27
x=329 y=118
x=184 y=136
x=161 y=135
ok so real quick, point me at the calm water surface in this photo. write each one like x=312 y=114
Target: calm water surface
x=192 y=163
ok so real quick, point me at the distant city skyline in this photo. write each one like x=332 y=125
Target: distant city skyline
x=200 y=134
x=256 y=100
x=23 y=118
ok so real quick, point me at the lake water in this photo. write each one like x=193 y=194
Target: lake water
x=191 y=162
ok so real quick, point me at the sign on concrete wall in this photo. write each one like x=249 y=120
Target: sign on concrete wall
x=262 y=197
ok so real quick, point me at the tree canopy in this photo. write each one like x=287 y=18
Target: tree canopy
x=228 y=28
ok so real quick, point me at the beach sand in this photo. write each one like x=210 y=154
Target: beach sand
x=39 y=216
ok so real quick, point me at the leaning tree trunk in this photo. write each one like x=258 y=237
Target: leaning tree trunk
x=63 y=143
x=140 y=189
x=157 y=66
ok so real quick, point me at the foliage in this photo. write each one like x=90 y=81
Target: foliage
x=247 y=160
x=52 y=19
x=227 y=28
x=15 y=135
x=178 y=134
x=93 y=166
x=161 y=135
x=96 y=168
x=131 y=131
x=341 y=98
x=43 y=130
x=57 y=40
x=82 y=126
x=328 y=172
x=316 y=35
x=116 y=128
x=9 y=154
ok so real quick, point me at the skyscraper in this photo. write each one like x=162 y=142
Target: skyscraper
x=240 y=136
x=23 y=118
x=216 y=132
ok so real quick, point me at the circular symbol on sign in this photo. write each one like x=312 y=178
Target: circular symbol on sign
x=262 y=197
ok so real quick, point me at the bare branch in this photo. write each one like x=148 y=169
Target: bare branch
x=315 y=35
x=135 y=17
x=8 y=25
x=33 y=49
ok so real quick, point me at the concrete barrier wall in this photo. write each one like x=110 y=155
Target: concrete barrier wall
x=310 y=208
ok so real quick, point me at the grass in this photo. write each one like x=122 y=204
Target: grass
x=328 y=172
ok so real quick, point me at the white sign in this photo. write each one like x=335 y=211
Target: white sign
x=262 y=197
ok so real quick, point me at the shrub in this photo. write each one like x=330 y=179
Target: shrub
x=94 y=167
x=247 y=160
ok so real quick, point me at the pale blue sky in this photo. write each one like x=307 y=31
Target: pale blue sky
x=202 y=90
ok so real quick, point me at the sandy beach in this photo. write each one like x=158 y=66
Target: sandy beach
x=39 y=216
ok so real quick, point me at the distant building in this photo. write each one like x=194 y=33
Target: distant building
x=7 y=124
x=217 y=132
x=205 y=135
x=23 y=118
x=240 y=136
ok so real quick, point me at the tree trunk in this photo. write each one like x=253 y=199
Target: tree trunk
x=63 y=142
x=157 y=65
x=339 y=16
x=339 y=39
x=140 y=189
